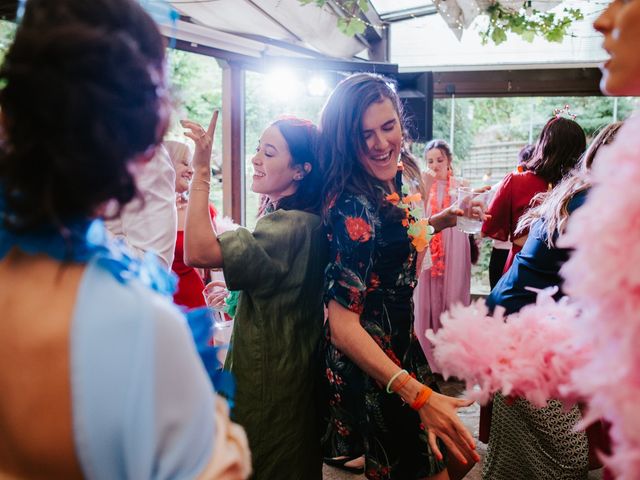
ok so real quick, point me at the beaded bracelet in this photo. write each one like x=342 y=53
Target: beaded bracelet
x=397 y=374
x=422 y=398
x=194 y=189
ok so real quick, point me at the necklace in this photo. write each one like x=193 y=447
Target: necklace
x=417 y=230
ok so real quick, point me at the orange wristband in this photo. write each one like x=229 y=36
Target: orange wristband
x=422 y=398
x=402 y=384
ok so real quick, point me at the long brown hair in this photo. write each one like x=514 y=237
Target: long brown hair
x=558 y=149
x=553 y=206
x=342 y=141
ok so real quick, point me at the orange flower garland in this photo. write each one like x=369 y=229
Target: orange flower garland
x=437 y=245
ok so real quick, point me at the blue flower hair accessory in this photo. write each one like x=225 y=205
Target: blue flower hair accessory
x=81 y=240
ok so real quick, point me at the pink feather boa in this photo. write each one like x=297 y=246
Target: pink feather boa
x=528 y=354
x=557 y=350
x=603 y=275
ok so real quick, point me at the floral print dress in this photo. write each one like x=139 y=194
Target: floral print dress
x=372 y=272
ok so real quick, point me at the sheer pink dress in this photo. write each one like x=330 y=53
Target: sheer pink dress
x=436 y=294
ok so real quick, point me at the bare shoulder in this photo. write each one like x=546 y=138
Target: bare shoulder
x=37 y=298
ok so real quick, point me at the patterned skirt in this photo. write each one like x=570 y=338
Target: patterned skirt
x=529 y=443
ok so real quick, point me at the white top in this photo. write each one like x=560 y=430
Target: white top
x=152 y=226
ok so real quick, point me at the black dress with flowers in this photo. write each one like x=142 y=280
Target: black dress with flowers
x=372 y=272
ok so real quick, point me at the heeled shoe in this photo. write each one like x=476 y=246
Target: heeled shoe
x=340 y=463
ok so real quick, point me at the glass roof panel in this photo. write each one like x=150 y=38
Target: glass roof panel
x=426 y=43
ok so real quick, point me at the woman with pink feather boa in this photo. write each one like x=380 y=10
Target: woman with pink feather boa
x=590 y=346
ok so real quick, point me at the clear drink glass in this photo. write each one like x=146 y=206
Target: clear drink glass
x=467 y=199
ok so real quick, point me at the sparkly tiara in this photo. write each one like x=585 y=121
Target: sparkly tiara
x=564 y=112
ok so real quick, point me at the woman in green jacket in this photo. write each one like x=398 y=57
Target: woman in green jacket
x=279 y=270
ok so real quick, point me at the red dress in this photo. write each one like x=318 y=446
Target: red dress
x=511 y=201
x=190 y=284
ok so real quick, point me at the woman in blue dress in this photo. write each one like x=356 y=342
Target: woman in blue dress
x=99 y=375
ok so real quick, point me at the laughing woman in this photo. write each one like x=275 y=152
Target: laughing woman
x=278 y=269
x=369 y=285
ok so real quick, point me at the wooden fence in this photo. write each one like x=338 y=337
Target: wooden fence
x=486 y=164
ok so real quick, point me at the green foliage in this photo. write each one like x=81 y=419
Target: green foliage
x=547 y=25
x=463 y=132
x=351 y=24
x=480 y=271
x=196 y=87
x=7 y=33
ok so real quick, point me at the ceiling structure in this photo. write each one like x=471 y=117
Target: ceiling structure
x=405 y=39
x=263 y=31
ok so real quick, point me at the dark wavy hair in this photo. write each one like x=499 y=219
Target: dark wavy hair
x=342 y=141
x=84 y=95
x=558 y=149
x=301 y=137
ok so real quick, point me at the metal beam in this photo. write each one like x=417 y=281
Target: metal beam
x=409 y=13
x=262 y=64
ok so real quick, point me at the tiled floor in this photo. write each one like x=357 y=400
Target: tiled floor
x=470 y=417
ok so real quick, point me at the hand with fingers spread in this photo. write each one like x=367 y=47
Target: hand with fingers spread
x=439 y=416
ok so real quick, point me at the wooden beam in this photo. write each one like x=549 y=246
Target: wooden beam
x=519 y=83
x=233 y=136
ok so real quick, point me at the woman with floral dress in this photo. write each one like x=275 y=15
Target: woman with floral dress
x=371 y=347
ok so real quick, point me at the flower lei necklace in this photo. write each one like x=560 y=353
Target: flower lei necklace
x=418 y=230
x=437 y=245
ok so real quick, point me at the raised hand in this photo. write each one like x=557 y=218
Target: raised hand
x=203 y=140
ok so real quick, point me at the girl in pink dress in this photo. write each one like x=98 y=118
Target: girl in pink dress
x=445 y=280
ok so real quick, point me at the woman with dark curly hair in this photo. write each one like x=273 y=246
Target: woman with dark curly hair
x=99 y=374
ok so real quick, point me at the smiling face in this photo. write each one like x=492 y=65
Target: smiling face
x=620 y=25
x=273 y=174
x=438 y=162
x=382 y=134
x=184 y=173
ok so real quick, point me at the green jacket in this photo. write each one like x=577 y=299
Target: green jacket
x=275 y=359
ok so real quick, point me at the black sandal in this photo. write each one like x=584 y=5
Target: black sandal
x=340 y=463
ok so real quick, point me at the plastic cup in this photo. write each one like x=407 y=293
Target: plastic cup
x=211 y=290
x=222 y=330
x=467 y=199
